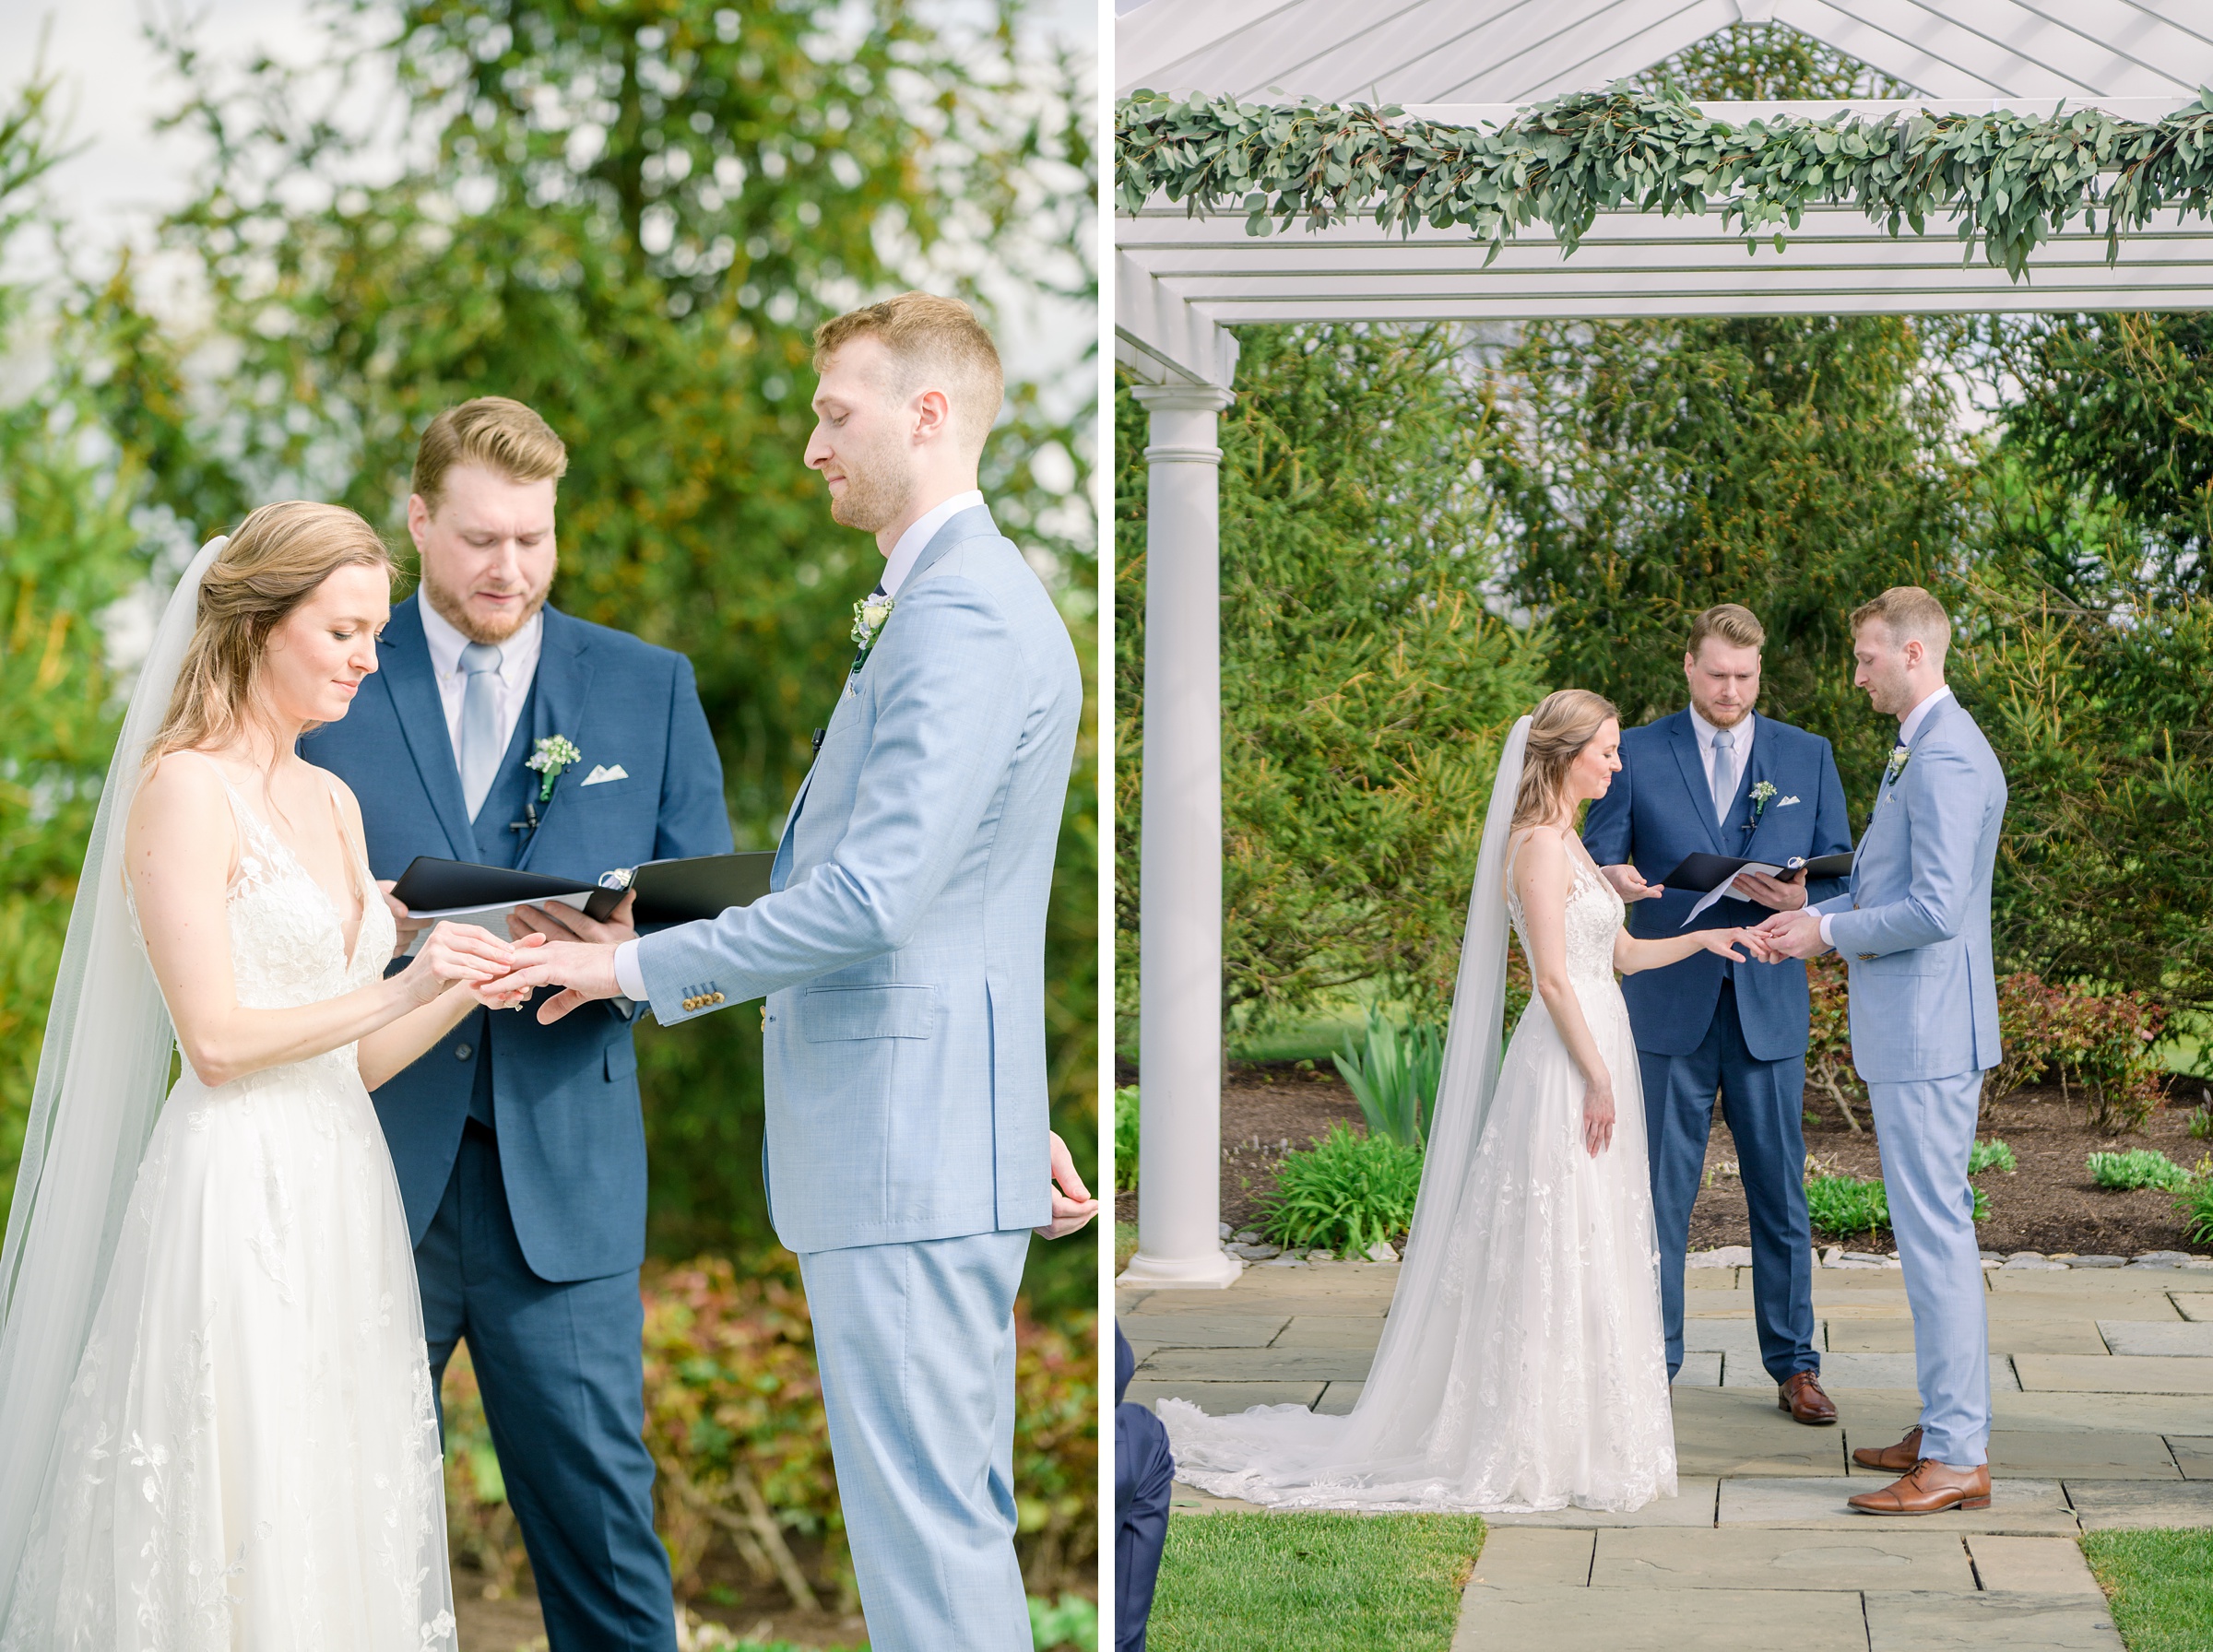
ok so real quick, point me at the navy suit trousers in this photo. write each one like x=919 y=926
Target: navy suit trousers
x=567 y=1413
x=1763 y=1103
x=1143 y=1470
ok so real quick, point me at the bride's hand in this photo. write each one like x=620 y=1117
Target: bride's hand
x=456 y=952
x=1724 y=942
x=1629 y=883
x=1598 y=1115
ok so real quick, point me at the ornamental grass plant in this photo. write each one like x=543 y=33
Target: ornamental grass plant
x=1346 y=1193
x=1393 y=1076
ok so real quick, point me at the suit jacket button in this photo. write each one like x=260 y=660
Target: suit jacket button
x=461 y=1052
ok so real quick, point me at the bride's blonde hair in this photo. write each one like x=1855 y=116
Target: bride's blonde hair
x=273 y=563
x=1563 y=724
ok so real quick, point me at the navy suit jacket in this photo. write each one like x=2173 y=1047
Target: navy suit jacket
x=1659 y=809
x=571 y=1140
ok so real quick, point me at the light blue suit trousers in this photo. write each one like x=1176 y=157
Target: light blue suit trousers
x=1914 y=931
x=901 y=950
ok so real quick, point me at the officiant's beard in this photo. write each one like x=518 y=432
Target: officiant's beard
x=454 y=610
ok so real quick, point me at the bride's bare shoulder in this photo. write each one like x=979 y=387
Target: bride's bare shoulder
x=182 y=793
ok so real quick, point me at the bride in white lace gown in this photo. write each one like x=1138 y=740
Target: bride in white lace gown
x=242 y=1452
x=1522 y=1364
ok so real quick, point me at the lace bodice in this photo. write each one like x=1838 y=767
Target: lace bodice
x=288 y=941
x=1594 y=914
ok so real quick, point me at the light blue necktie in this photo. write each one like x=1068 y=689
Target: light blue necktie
x=480 y=739
x=1724 y=773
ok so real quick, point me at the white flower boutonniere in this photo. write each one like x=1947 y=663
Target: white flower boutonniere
x=868 y=615
x=550 y=757
x=1897 y=765
x=1761 y=792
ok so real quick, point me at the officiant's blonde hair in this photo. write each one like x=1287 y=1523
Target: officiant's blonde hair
x=930 y=338
x=495 y=431
x=275 y=560
x=1563 y=724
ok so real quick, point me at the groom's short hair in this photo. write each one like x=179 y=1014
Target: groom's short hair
x=930 y=338
x=1912 y=616
x=498 y=433
x=1732 y=623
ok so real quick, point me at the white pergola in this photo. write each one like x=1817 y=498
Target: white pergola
x=1180 y=282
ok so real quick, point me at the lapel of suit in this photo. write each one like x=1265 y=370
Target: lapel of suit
x=404 y=664
x=972 y=523
x=1685 y=741
x=562 y=691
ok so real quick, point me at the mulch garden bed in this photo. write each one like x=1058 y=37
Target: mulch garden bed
x=2048 y=1205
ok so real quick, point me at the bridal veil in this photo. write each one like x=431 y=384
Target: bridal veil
x=103 y=1070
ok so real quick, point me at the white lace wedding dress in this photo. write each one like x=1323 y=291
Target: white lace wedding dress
x=248 y=1459
x=1534 y=1375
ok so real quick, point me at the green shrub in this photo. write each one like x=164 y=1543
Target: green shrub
x=1991 y=1155
x=1394 y=1081
x=2196 y=1206
x=1125 y=1139
x=1346 y=1192
x=1843 y=1207
x=1071 y=1621
x=2139 y=1167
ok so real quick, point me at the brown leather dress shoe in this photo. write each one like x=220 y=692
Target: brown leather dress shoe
x=1898 y=1459
x=1801 y=1396
x=1929 y=1487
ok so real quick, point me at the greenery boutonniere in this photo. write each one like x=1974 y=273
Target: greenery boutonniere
x=550 y=757
x=868 y=615
x=1897 y=765
x=1760 y=795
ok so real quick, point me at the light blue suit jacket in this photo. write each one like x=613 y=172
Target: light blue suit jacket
x=901 y=946
x=1914 y=928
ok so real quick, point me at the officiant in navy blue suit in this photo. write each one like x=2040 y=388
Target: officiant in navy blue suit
x=502 y=731
x=1718 y=778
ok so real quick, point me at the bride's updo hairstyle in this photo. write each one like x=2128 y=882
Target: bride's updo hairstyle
x=275 y=560
x=1559 y=729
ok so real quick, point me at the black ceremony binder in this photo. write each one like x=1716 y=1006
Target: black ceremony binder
x=669 y=891
x=1704 y=872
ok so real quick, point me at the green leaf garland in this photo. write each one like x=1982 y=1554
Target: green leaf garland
x=2013 y=181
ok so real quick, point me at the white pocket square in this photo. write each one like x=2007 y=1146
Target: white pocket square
x=603 y=773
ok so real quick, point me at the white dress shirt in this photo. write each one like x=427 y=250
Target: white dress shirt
x=1709 y=752
x=917 y=538
x=1907 y=728
x=896 y=567
x=518 y=667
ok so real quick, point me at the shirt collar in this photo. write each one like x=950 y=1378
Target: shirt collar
x=917 y=538
x=1920 y=715
x=445 y=642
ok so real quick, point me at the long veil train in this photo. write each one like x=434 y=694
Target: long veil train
x=102 y=1073
x=1378 y=1455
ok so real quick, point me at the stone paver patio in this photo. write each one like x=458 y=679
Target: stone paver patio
x=2102 y=1399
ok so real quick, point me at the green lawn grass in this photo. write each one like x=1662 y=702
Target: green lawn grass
x=1312 y=1582
x=2159 y=1585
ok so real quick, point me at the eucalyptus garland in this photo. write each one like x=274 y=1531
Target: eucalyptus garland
x=2014 y=181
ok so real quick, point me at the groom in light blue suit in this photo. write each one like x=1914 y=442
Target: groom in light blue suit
x=901 y=952
x=1914 y=928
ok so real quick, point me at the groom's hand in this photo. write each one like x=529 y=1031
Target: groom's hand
x=1072 y=1203
x=584 y=969
x=1792 y=935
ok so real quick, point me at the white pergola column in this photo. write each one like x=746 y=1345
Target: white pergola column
x=1180 y=953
